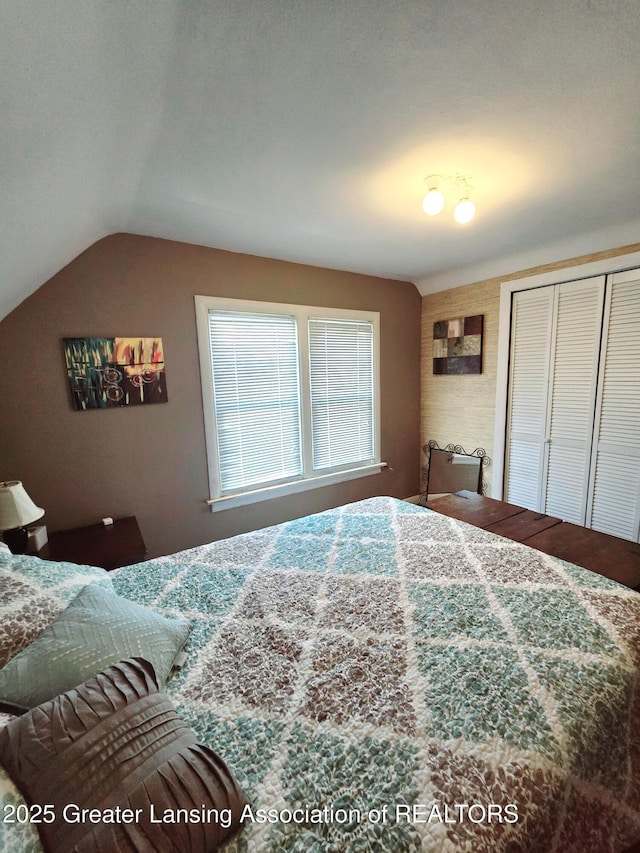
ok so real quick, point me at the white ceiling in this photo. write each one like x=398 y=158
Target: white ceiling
x=304 y=130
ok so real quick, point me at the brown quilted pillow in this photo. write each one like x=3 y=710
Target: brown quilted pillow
x=116 y=744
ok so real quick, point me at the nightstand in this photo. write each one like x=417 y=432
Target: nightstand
x=109 y=547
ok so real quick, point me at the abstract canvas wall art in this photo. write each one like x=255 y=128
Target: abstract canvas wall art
x=457 y=345
x=108 y=373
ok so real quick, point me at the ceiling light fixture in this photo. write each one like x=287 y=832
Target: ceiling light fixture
x=458 y=187
x=465 y=211
x=433 y=202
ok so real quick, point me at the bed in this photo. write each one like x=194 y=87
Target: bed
x=379 y=677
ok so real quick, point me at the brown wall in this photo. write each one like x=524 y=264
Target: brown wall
x=150 y=461
x=462 y=409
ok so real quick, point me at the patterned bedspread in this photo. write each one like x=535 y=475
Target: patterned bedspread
x=382 y=678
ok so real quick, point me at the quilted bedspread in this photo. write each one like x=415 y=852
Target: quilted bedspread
x=379 y=677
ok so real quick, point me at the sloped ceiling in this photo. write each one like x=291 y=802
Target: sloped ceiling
x=304 y=130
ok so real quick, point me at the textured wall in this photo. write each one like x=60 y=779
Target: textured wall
x=460 y=409
x=150 y=461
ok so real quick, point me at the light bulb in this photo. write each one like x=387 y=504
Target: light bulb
x=433 y=202
x=465 y=211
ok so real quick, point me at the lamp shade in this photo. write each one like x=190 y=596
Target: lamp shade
x=16 y=507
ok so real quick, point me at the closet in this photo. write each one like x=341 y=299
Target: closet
x=573 y=415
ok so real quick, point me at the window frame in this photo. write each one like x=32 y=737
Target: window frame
x=309 y=479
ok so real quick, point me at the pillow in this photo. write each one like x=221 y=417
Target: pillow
x=32 y=593
x=96 y=630
x=117 y=745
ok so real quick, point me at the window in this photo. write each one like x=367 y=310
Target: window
x=342 y=391
x=291 y=397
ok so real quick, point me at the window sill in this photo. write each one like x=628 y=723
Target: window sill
x=218 y=504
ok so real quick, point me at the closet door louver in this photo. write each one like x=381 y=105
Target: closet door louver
x=532 y=317
x=572 y=392
x=615 y=479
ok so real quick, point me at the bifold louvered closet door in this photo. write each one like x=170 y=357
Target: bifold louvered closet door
x=573 y=419
x=614 y=504
x=572 y=394
x=555 y=344
x=531 y=326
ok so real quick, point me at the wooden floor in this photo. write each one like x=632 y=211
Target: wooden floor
x=614 y=558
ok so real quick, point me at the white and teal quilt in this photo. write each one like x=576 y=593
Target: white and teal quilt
x=379 y=677
x=380 y=657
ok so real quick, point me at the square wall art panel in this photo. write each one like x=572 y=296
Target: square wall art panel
x=108 y=373
x=457 y=345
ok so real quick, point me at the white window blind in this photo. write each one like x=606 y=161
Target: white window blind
x=256 y=393
x=341 y=365
x=291 y=397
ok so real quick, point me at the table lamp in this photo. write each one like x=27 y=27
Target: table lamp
x=16 y=510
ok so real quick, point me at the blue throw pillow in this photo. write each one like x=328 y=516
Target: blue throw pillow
x=96 y=630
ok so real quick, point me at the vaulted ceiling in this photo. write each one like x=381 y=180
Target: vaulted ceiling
x=304 y=130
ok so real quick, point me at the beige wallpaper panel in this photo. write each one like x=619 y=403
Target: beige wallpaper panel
x=460 y=409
